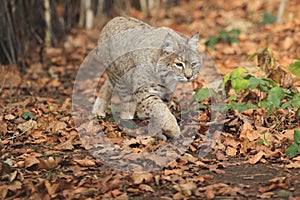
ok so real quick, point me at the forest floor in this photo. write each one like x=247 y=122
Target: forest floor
x=42 y=156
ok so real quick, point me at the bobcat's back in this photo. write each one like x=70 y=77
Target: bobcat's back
x=118 y=25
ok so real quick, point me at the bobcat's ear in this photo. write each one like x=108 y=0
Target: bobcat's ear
x=193 y=41
x=169 y=44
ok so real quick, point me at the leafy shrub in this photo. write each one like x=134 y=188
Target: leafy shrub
x=223 y=36
x=294 y=148
x=268 y=18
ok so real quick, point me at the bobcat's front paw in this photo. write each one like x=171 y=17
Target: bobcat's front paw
x=171 y=128
x=164 y=125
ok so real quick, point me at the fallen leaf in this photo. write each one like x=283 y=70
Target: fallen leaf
x=230 y=151
x=67 y=145
x=185 y=188
x=140 y=177
x=256 y=157
x=245 y=128
x=49 y=163
x=3 y=191
x=146 y=188
x=9 y=117
x=28 y=125
x=30 y=161
x=51 y=189
x=116 y=193
x=14 y=186
x=293 y=165
x=167 y=172
x=85 y=162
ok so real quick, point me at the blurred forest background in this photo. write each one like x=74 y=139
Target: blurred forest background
x=28 y=26
x=31 y=25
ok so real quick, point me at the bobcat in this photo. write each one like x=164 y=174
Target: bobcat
x=144 y=64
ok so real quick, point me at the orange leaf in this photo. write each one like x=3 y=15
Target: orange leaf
x=85 y=162
x=256 y=157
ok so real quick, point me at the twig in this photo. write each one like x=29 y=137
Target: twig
x=281 y=10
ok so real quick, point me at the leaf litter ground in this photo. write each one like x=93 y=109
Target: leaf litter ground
x=43 y=158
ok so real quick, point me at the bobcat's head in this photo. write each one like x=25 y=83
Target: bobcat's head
x=182 y=57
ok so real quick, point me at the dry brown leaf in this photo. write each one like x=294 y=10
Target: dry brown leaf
x=133 y=190
x=173 y=171
x=201 y=178
x=14 y=186
x=51 y=189
x=49 y=163
x=185 y=188
x=85 y=162
x=28 y=125
x=266 y=195
x=230 y=141
x=30 y=161
x=214 y=168
x=178 y=195
x=146 y=188
x=245 y=128
x=253 y=135
x=3 y=191
x=293 y=165
x=9 y=117
x=230 y=151
x=140 y=177
x=257 y=157
x=3 y=128
x=116 y=193
x=67 y=145
x=13 y=176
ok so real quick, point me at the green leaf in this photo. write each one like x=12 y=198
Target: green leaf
x=297 y=136
x=226 y=79
x=253 y=82
x=224 y=35
x=268 y=18
x=239 y=84
x=232 y=98
x=201 y=94
x=51 y=108
x=263 y=104
x=295 y=67
x=201 y=106
x=256 y=53
x=287 y=104
x=27 y=115
x=275 y=96
x=292 y=150
x=237 y=72
x=241 y=107
x=211 y=42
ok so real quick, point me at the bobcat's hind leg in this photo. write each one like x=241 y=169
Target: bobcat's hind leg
x=103 y=99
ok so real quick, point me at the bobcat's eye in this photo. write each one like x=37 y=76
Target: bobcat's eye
x=179 y=65
x=194 y=64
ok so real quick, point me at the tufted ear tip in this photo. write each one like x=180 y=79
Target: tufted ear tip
x=193 y=41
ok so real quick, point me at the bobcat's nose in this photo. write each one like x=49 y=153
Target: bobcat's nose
x=188 y=73
x=188 y=76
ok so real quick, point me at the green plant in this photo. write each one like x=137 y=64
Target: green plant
x=268 y=18
x=223 y=36
x=28 y=115
x=242 y=82
x=295 y=67
x=294 y=148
